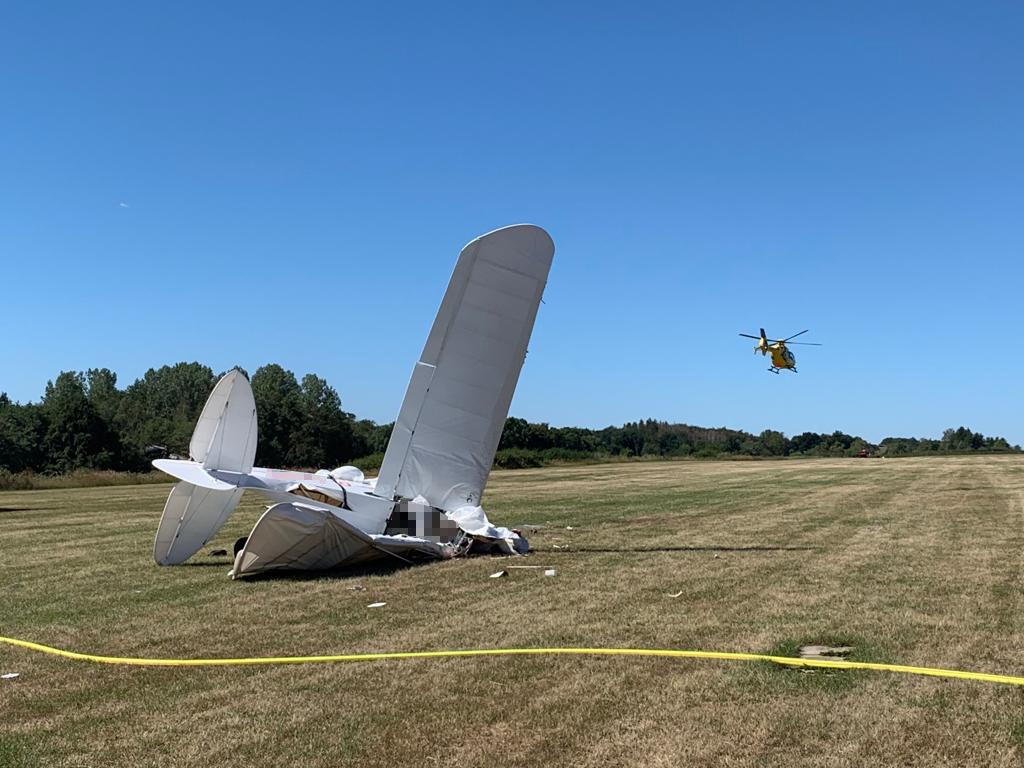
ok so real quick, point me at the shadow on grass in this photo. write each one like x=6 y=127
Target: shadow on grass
x=225 y=563
x=641 y=550
x=394 y=565
x=377 y=568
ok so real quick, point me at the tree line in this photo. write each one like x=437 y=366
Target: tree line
x=84 y=421
x=526 y=444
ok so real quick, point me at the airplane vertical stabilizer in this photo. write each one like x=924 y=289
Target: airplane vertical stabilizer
x=455 y=407
x=225 y=435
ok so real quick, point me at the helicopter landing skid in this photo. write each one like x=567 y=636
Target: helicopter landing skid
x=776 y=371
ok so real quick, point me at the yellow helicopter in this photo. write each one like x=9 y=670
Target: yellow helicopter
x=782 y=358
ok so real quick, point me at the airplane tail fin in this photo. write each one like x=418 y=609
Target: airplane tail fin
x=448 y=427
x=225 y=435
x=224 y=439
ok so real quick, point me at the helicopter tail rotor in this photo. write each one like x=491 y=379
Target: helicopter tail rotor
x=762 y=342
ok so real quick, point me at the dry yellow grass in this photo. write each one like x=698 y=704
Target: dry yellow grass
x=915 y=560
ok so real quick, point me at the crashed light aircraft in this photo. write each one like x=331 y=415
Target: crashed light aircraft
x=425 y=502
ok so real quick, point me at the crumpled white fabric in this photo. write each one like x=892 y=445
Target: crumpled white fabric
x=473 y=520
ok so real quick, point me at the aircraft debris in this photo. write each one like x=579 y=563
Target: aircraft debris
x=824 y=652
x=425 y=502
x=677 y=594
x=376 y=605
x=549 y=572
x=498 y=575
x=10 y=675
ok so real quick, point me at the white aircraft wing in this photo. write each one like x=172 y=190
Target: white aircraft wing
x=455 y=407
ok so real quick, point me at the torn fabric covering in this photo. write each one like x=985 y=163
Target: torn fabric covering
x=474 y=521
x=295 y=536
x=300 y=537
x=335 y=498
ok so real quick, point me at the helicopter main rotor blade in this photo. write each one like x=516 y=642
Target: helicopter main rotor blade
x=805 y=343
x=795 y=335
x=747 y=335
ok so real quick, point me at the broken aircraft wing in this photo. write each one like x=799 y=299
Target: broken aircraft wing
x=448 y=428
x=297 y=536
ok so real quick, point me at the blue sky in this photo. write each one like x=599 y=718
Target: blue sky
x=244 y=183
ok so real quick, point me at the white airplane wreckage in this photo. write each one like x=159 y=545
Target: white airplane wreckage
x=425 y=502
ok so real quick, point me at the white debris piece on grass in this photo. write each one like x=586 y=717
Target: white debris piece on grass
x=824 y=652
x=677 y=594
x=549 y=572
x=376 y=605
x=498 y=575
x=10 y=675
x=473 y=520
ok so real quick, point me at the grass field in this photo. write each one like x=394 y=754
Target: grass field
x=915 y=561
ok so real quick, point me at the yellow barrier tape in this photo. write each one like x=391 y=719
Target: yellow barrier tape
x=645 y=652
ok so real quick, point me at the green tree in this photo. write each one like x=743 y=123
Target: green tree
x=279 y=411
x=516 y=434
x=324 y=437
x=773 y=443
x=162 y=408
x=101 y=389
x=805 y=442
x=369 y=437
x=22 y=431
x=76 y=436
